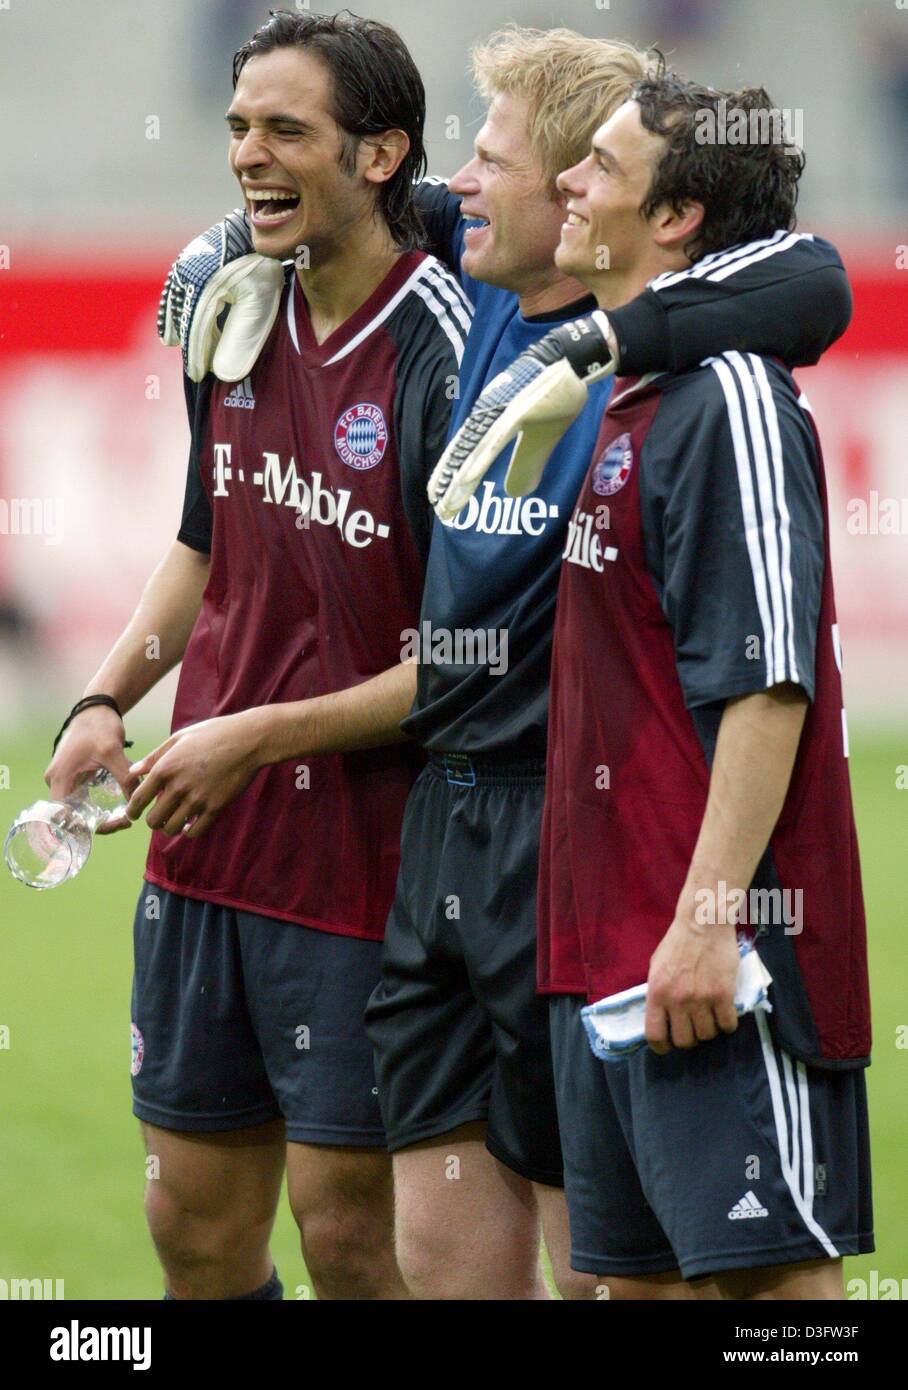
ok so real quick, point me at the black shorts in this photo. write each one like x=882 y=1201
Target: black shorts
x=238 y=1019
x=729 y=1156
x=460 y=1033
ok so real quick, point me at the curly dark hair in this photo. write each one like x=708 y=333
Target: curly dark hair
x=377 y=87
x=748 y=187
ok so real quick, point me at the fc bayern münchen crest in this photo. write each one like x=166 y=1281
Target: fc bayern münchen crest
x=614 y=467
x=361 y=436
x=138 y=1050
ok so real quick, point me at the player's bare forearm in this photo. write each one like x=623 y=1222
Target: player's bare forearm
x=363 y=716
x=692 y=974
x=155 y=637
x=199 y=770
x=152 y=642
x=755 y=752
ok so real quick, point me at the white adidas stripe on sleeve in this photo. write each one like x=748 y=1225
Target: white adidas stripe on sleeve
x=756 y=440
x=769 y=529
x=451 y=292
x=453 y=321
x=778 y=465
x=748 y=505
x=720 y=264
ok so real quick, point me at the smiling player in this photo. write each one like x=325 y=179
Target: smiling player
x=298 y=564
x=697 y=747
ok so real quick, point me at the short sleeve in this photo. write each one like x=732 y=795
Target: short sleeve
x=733 y=527
x=430 y=331
x=196 y=525
x=423 y=411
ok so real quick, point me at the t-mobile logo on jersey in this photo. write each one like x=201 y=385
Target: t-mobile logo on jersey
x=310 y=500
x=583 y=547
x=504 y=516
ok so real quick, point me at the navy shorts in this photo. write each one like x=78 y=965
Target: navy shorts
x=238 y=1019
x=460 y=1033
x=729 y=1156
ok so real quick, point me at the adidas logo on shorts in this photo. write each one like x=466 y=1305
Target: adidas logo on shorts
x=746 y=1208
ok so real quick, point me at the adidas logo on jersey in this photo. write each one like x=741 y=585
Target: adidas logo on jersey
x=746 y=1208
x=241 y=396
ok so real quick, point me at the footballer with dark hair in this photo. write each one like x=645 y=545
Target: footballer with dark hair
x=697 y=658
x=297 y=565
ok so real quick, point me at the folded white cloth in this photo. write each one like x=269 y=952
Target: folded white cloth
x=614 y=1025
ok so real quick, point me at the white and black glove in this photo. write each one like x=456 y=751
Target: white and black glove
x=217 y=269
x=535 y=399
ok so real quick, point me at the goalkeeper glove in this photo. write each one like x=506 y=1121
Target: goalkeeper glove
x=215 y=270
x=536 y=398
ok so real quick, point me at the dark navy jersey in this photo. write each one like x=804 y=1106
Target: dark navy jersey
x=493 y=570
x=696 y=569
x=313 y=506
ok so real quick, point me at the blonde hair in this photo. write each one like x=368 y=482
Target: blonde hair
x=571 y=85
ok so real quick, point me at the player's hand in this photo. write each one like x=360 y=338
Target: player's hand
x=195 y=773
x=216 y=270
x=93 y=740
x=690 y=993
x=535 y=400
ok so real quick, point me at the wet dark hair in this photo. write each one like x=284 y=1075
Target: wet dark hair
x=377 y=87
x=748 y=189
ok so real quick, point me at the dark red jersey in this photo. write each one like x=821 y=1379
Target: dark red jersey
x=313 y=506
x=696 y=569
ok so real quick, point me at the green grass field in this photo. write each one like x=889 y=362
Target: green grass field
x=71 y=1158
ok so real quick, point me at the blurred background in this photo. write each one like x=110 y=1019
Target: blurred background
x=113 y=157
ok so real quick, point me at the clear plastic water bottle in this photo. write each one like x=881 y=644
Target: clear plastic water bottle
x=49 y=842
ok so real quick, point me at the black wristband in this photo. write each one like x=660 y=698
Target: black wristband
x=85 y=703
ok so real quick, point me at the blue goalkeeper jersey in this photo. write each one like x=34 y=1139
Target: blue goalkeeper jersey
x=494 y=569
x=491 y=584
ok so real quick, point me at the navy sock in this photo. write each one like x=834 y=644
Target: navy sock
x=273 y=1290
